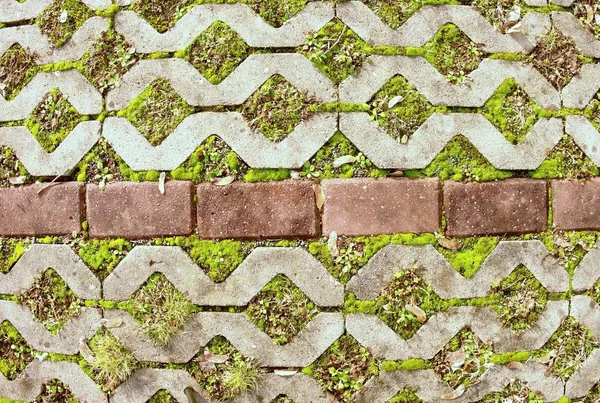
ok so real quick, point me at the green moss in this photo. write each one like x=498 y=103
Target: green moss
x=412 y=364
x=11 y=167
x=276 y=12
x=453 y=53
x=405 y=396
x=107 y=61
x=157 y=111
x=277 y=107
x=460 y=161
x=399 y=109
x=161 y=14
x=102 y=256
x=11 y=251
x=217 y=258
x=511 y=111
x=566 y=161
x=51 y=301
x=17 y=67
x=60 y=32
x=266 y=174
x=336 y=50
x=471 y=255
x=394 y=12
x=162 y=396
x=15 y=354
x=281 y=310
x=54 y=391
x=217 y=52
x=52 y=120
x=160 y=309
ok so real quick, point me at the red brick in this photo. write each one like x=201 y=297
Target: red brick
x=381 y=206
x=513 y=206
x=56 y=210
x=576 y=205
x=139 y=210
x=258 y=210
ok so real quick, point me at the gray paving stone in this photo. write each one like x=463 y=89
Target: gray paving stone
x=433 y=135
x=16 y=11
x=587 y=312
x=252 y=146
x=260 y=267
x=233 y=90
x=304 y=348
x=570 y=26
x=585 y=135
x=585 y=378
x=424 y=24
x=587 y=271
x=31 y=38
x=582 y=88
x=78 y=90
x=433 y=268
x=474 y=91
x=250 y=26
x=28 y=385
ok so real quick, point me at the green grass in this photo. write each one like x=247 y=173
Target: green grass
x=112 y=363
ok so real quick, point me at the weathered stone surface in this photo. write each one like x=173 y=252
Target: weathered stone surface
x=139 y=210
x=29 y=210
x=513 y=206
x=570 y=26
x=14 y=11
x=381 y=206
x=582 y=87
x=576 y=205
x=587 y=271
x=258 y=210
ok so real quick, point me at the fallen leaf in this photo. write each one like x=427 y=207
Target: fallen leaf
x=418 y=312
x=286 y=372
x=332 y=244
x=64 y=16
x=515 y=365
x=515 y=14
x=345 y=159
x=449 y=244
x=216 y=358
x=85 y=350
x=456 y=358
x=295 y=174
x=404 y=139
x=590 y=13
x=319 y=195
x=161 y=182
x=18 y=180
x=223 y=181
x=395 y=174
x=394 y=101
x=547 y=358
x=111 y=323
x=514 y=29
x=454 y=394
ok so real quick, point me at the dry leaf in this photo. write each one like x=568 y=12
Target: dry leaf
x=286 y=372
x=454 y=394
x=515 y=365
x=332 y=244
x=395 y=174
x=64 y=16
x=547 y=358
x=394 y=101
x=345 y=159
x=216 y=358
x=223 y=181
x=418 y=312
x=161 y=182
x=18 y=180
x=590 y=13
x=85 y=350
x=111 y=323
x=319 y=195
x=449 y=244
x=514 y=29
x=295 y=174
x=456 y=358
x=515 y=14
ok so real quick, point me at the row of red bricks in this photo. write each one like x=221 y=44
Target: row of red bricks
x=290 y=209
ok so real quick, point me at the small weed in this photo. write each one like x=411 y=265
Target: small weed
x=15 y=354
x=498 y=12
x=62 y=19
x=162 y=396
x=556 y=57
x=515 y=392
x=112 y=363
x=582 y=9
x=11 y=251
x=161 y=14
x=240 y=376
x=54 y=391
x=16 y=66
x=566 y=161
x=10 y=167
x=160 y=309
x=276 y=12
x=394 y=12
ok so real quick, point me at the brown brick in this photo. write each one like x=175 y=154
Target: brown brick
x=513 y=206
x=139 y=210
x=381 y=206
x=257 y=210
x=56 y=210
x=576 y=205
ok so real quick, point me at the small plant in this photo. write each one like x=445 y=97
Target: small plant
x=15 y=354
x=161 y=14
x=111 y=363
x=516 y=392
x=54 y=391
x=276 y=12
x=11 y=251
x=62 y=19
x=556 y=57
x=16 y=66
x=394 y=12
x=241 y=376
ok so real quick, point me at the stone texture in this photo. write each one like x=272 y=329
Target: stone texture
x=139 y=210
x=257 y=210
x=575 y=205
x=433 y=135
x=381 y=206
x=31 y=211
x=570 y=26
x=585 y=136
x=582 y=88
x=513 y=206
x=587 y=273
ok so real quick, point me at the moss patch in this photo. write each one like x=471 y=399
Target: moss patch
x=521 y=298
x=161 y=14
x=108 y=60
x=10 y=167
x=162 y=396
x=112 y=363
x=103 y=255
x=58 y=32
x=223 y=372
x=55 y=391
x=453 y=53
x=343 y=368
x=399 y=109
x=157 y=112
x=16 y=68
x=336 y=50
x=11 y=251
x=281 y=310
x=511 y=111
x=394 y=12
x=15 y=354
x=52 y=120
x=473 y=251
x=405 y=396
x=160 y=309
x=217 y=258
x=556 y=57
x=51 y=301
x=566 y=161
x=276 y=12
x=217 y=52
